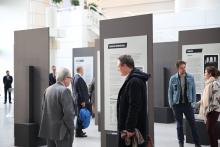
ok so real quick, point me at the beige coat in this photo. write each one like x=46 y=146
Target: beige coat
x=208 y=101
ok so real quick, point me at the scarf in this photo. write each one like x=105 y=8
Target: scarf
x=206 y=96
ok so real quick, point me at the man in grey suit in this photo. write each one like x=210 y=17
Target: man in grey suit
x=57 y=123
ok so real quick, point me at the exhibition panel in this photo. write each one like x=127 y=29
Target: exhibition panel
x=31 y=67
x=87 y=58
x=164 y=67
x=129 y=35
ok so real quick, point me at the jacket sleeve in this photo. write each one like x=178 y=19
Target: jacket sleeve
x=135 y=103
x=91 y=87
x=68 y=110
x=43 y=101
x=4 y=80
x=193 y=93
x=82 y=91
x=11 y=79
x=170 y=93
x=50 y=80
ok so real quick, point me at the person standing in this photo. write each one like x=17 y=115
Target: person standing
x=182 y=99
x=7 y=80
x=132 y=101
x=210 y=103
x=92 y=96
x=57 y=123
x=52 y=76
x=80 y=91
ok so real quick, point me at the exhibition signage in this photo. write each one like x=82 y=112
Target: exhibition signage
x=136 y=46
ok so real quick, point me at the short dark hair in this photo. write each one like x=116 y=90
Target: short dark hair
x=7 y=71
x=126 y=59
x=180 y=62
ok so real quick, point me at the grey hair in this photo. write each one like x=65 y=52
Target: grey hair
x=62 y=74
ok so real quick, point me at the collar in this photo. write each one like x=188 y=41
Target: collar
x=210 y=80
x=78 y=74
x=61 y=83
x=177 y=75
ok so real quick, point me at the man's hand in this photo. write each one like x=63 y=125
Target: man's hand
x=83 y=104
x=130 y=134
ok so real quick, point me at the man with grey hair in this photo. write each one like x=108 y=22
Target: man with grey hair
x=57 y=123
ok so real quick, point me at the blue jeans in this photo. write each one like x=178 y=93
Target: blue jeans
x=187 y=110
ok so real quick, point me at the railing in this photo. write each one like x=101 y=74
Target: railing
x=94 y=17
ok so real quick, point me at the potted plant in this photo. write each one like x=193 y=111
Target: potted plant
x=93 y=6
x=75 y=2
x=57 y=1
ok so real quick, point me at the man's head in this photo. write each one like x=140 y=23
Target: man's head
x=125 y=64
x=64 y=76
x=80 y=70
x=7 y=72
x=53 y=68
x=181 y=67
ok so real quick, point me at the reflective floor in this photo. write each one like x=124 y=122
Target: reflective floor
x=165 y=134
x=6 y=124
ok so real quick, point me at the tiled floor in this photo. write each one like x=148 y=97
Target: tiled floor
x=165 y=134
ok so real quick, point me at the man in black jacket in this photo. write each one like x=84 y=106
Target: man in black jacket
x=80 y=91
x=132 y=101
x=52 y=76
x=7 y=80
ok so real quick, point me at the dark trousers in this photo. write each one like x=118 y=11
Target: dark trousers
x=66 y=142
x=9 y=93
x=187 y=110
x=212 y=119
x=60 y=143
x=79 y=125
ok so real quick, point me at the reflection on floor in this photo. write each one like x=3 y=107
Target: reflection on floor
x=6 y=124
x=165 y=134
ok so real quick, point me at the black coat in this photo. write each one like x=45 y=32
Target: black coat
x=80 y=90
x=7 y=81
x=52 y=79
x=132 y=104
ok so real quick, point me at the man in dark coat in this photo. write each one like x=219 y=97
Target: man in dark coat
x=7 y=80
x=80 y=91
x=52 y=76
x=132 y=101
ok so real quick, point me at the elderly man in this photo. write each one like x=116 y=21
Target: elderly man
x=57 y=124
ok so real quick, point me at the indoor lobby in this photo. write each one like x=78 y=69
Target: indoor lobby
x=67 y=68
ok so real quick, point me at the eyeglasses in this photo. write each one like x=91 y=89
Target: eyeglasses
x=69 y=78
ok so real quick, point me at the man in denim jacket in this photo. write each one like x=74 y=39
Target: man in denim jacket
x=182 y=98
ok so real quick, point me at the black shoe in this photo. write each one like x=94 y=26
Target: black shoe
x=9 y=102
x=4 y=102
x=197 y=145
x=81 y=135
